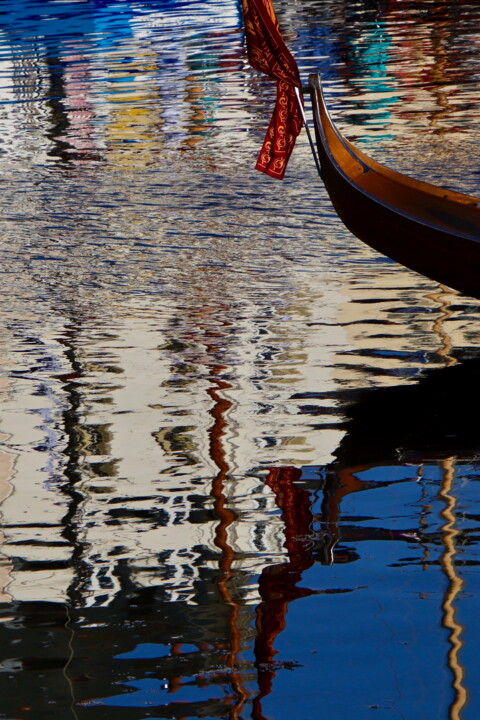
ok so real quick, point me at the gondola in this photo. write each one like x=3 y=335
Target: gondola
x=428 y=229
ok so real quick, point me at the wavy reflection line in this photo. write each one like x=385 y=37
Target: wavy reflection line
x=7 y=473
x=345 y=483
x=226 y=517
x=423 y=523
x=445 y=311
x=278 y=583
x=74 y=451
x=440 y=37
x=455 y=584
x=71 y=520
x=71 y=656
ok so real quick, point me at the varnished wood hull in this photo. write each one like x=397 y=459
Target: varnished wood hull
x=430 y=230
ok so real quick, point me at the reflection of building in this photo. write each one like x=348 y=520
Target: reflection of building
x=147 y=597
x=33 y=510
x=23 y=117
x=98 y=80
x=133 y=441
x=411 y=72
x=176 y=348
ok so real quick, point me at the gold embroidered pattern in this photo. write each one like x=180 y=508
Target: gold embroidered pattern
x=268 y=54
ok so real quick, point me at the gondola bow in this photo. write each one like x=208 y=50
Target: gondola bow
x=431 y=230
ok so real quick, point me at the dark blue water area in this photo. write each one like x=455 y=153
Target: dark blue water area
x=60 y=23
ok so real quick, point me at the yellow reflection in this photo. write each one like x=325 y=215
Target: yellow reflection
x=196 y=122
x=455 y=584
x=441 y=298
x=135 y=111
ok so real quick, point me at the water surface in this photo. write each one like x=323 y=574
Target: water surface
x=238 y=466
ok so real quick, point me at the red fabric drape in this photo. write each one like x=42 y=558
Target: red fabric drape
x=268 y=54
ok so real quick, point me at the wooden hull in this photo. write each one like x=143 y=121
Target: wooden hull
x=433 y=231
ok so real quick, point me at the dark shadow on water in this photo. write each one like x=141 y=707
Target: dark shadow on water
x=432 y=418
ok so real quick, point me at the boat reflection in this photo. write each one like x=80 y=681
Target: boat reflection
x=422 y=422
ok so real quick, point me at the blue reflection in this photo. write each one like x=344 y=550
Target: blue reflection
x=152 y=693
x=148 y=692
x=52 y=24
x=145 y=650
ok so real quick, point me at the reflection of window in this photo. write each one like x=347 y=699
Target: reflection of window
x=177 y=441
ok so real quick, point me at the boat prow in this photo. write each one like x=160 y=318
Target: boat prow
x=426 y=228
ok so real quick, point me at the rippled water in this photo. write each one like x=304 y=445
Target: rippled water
x=238 y=462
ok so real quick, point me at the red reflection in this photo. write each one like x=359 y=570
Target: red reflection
x=278 y=583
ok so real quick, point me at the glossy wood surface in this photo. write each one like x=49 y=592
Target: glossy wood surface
x=426 y=228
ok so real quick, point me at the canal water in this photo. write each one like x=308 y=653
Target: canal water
x=239 y=450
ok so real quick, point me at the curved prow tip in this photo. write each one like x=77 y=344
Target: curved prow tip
x=321 y=118
x=314 y=82
x=316 y=87
x=320 y=109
